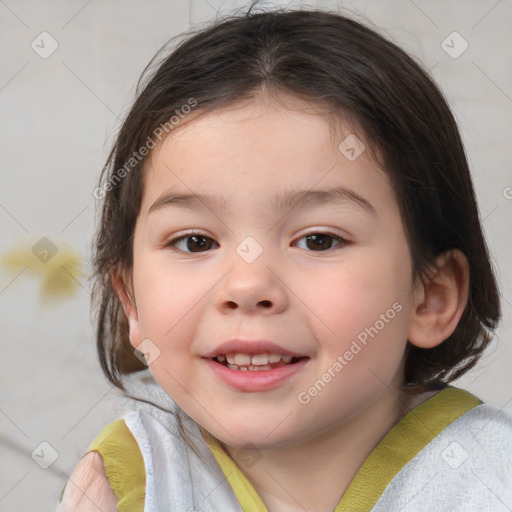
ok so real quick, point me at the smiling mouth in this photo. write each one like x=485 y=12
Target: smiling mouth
x=256 y=362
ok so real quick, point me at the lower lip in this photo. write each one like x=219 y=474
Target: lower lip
x=256 y=380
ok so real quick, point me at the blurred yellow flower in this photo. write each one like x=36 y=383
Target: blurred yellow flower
x=59 y=267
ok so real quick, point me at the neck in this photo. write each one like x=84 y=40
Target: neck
x=315 y=474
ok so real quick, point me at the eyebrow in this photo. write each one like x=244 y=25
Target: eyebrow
x=281 y=202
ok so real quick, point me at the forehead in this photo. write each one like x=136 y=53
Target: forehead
x=281 y=109
x=269 y=146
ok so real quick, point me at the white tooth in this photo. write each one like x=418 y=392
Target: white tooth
x=274 y=358
x=251 y=367
x=242 y=359
x=286 y=359
x=221 y=358
x=231 y=359
x=259 y=359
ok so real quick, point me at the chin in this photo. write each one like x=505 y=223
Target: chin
x=258 y=435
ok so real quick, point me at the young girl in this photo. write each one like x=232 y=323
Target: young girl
x=289 y=239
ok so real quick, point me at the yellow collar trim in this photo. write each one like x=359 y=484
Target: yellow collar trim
x=246 y=494
x=387 y=459
x=418 y=427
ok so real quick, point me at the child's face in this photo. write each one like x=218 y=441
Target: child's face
x=311 y=296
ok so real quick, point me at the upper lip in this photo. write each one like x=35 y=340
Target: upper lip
x=250 y=347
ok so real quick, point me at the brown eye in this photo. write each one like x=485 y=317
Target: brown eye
x=192 y=243
x=321 y=241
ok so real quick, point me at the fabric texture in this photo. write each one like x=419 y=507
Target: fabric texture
x=124 y=465
x=452 y=453
x=467 y=468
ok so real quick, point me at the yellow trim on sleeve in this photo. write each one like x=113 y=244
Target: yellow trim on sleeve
x=124 y=465
x=418 y=427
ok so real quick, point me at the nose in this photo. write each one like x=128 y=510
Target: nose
x=252 y=288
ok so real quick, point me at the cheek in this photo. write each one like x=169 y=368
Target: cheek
x=169 y=307
x=361 y=327
x=365 y=302
x=163 y=295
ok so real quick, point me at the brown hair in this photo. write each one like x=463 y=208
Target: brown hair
x=334 y=61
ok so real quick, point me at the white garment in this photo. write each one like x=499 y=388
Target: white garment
x=176 y=479
x=466 y=468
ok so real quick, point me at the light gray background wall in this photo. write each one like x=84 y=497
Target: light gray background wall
x=58 y=117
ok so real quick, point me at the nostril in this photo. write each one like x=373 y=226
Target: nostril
x=264 y=303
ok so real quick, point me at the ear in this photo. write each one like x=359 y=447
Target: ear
x=440 y=302
x=123 y=287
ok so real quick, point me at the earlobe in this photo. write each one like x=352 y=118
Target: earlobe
x=440 y=302
x=129 y=307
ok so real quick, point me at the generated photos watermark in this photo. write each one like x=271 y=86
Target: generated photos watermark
x=361 y=341
x=137 y=156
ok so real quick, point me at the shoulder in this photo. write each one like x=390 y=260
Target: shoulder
x=487 y=422
x=487 y=430
x=113 y=470
x=480 y=439
x=466 y=466
x=88 y=488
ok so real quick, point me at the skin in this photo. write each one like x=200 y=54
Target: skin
x=88 y=488
x=316 y=301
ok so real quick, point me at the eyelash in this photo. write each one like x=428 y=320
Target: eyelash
x=172 y=243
